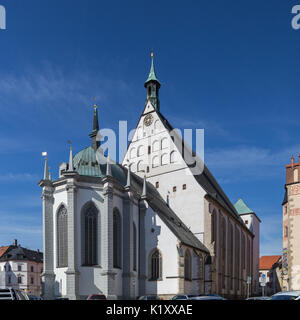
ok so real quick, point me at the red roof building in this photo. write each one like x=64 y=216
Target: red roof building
x=267 y=262
x=3 y=250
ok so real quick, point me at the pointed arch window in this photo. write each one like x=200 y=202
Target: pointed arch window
x=116 y=239
x=187 y=265
x=90 y=236
x=134 y=247
x=62 y=237
x=155 y=265
x=213 y=226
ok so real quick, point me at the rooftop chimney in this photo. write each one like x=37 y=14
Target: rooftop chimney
x=15 y=242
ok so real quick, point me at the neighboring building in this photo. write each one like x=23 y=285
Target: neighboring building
x=21 y=268
x=108 y=229
x=269 y=269
x=291 y=228
x=252 y=221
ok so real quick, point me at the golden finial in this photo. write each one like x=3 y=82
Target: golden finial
x=152 y=54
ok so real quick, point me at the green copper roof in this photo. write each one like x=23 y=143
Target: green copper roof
x=152 y=75
x=241 y=207
x=88 y=163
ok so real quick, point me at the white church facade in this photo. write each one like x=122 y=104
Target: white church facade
x=157 y=224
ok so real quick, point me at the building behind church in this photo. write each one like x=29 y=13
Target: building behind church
x=157 y=224
x=21 y=268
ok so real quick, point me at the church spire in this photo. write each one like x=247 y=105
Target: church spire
x=93 y=134
x=46 y=170
x=152 y=85
x=71 y=165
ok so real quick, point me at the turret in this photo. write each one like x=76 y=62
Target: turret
x=152 y=86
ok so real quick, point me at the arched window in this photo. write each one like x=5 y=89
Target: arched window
x=155 y=146
x=164 y=159
x=155 y=270
x=140 y=132
x=133 y=167
x=90 y=235
x=187 y=266
x=237 y=257
x=134 y=246
x=243 y=250
x=116 y=239
x=132 y=153
x=173 y=157
x=156 y=125
x=164 y=143
x=155 y=162
x=140 y=166
x=201 y=268
x=141 y=151
x=62 y=237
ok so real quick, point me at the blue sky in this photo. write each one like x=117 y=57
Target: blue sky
x=230 y=67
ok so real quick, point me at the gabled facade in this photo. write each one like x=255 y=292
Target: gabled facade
x=191 y=191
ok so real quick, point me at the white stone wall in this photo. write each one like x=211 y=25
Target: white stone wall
x=168 y=172
x=159 y=236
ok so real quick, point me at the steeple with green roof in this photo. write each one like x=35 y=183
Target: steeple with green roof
x=152 y=85
x=241 y=207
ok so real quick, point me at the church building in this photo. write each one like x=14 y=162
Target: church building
x=159 y=223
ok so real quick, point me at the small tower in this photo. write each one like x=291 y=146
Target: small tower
x=93 y=134
x=152 y=86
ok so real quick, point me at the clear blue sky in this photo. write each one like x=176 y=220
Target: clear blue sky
x=230 y=67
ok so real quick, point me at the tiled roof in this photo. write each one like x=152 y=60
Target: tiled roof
x=20 y=253
x=266 y=262
x=3 y=250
